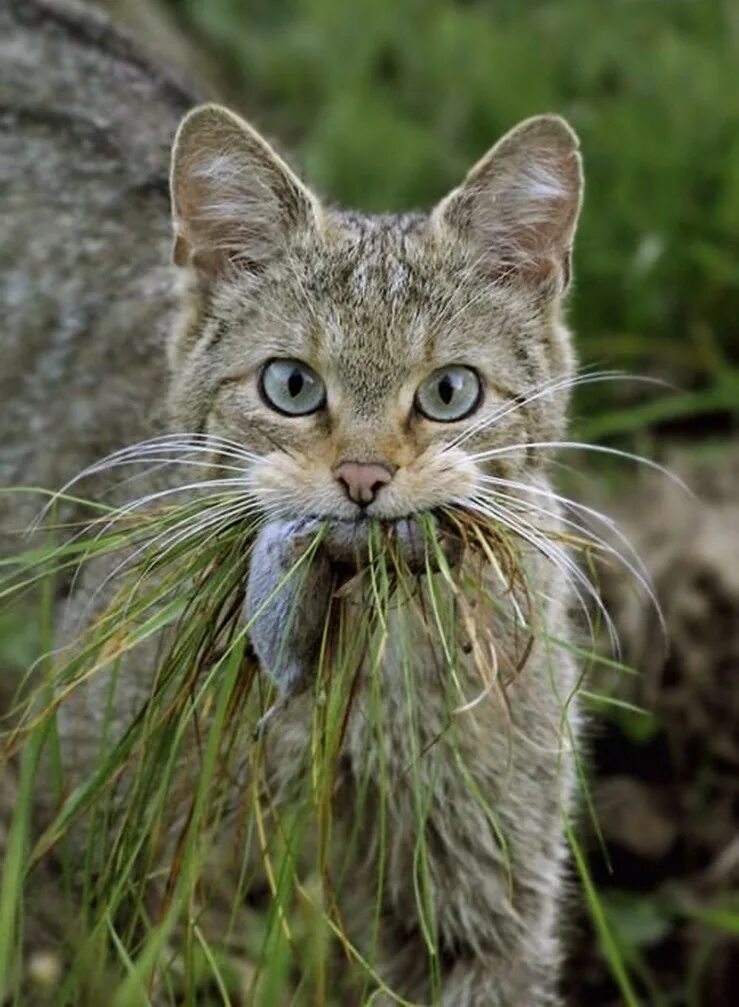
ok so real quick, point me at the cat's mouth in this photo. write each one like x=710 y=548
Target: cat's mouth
x=413 y=540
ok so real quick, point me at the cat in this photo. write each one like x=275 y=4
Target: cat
x=365 y=362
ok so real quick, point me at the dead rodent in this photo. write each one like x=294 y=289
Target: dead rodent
x=289 y=591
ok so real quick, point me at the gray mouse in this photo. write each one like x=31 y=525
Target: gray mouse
x=286 y=611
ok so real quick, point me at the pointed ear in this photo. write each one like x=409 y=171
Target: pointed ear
x=519 y=205
x=235 y=201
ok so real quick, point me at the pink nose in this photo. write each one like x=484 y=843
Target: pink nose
x=362 y=480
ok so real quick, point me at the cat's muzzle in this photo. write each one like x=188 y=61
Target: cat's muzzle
x=415 y=544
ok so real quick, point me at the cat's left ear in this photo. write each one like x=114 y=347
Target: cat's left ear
x=235 y=202
x=518 y=206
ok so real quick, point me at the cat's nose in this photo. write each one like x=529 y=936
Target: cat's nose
x=362 y=480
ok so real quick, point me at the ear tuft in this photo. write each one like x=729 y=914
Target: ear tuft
x=519 y=205
x=235 y=201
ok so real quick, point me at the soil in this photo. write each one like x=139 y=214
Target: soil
x=667 y=783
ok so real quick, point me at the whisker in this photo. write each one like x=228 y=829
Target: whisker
x=214 y=524
x=638 y=571
x=124 y=511
x=177 y=442
x=197 y=487
x=219 y=515
x=580 y=446
x=559 y=383
x=575 y=505
x=141 y=451
x=186 y=519
x=558 y=557
x=158 y=462
x=550 y=387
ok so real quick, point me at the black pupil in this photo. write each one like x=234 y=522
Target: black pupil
x=295 y=383
x=446 y=389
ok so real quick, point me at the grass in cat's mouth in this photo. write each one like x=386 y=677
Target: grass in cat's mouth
x=348 y=543
x=180 y=572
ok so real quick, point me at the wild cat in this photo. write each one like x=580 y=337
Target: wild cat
x=368 y=366
x=386 y=366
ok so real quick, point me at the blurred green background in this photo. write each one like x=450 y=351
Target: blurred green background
x=387 y=103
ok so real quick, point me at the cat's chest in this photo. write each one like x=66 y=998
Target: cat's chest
x=431 y=688
x=428 y=687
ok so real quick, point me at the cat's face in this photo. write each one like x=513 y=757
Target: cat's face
x=368 y=361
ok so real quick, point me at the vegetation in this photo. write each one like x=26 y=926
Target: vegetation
x=385 y=104
x=147 y=916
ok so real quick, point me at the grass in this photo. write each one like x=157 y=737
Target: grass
x=146 y=916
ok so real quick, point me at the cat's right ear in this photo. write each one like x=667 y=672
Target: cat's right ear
x=235 y=202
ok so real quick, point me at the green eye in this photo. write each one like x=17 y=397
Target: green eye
x=449 y=394
x=292 y=387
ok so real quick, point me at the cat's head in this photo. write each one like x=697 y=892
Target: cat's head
x=369 y=360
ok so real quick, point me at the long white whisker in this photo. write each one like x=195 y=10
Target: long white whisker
x=550 y=387
x=547 y=388
x=558 y=557
x=123 y=512
x=190 y=439
x=156 y=465
x=542 y=545
x=220 y=500
x=214 y=524
x=219 y=514
x=225 y=514
x=137 y=452
x=577 y=445
x=232 y=485
x=644 y=576
x=172 y=454
x=531 y=535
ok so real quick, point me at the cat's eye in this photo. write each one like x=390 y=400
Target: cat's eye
x=292 y=387
x=449 y=394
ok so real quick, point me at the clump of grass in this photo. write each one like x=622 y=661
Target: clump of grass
x=185 y=772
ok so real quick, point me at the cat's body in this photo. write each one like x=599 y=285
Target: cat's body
x=376 y=308
x=496 y=903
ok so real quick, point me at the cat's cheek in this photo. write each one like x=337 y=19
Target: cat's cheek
x=239 y=415
x=435 y=479
x=296 y=485
x=235 y=414
x=449 y=473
